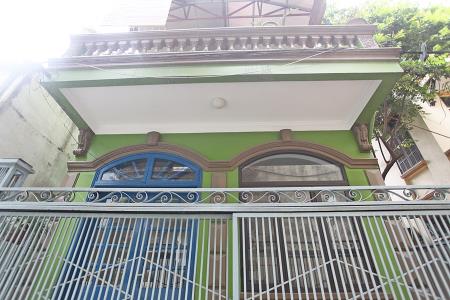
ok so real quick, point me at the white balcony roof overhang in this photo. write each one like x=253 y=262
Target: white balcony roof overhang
x=319 y=95
x=243 y=106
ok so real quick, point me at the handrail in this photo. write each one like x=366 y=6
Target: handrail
x=228 y=195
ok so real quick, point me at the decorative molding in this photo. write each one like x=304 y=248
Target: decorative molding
x=361 y=132
x=374 y=177
x=84 y=141
x=219 y=180
x=153 y=138
x=418 y=168
x=286 y=135
x=227 y=165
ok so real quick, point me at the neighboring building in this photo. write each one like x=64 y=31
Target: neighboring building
x=223 y=163
x=34 y=128
x=427 y=161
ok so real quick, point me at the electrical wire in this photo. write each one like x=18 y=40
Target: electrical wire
x=135 y=75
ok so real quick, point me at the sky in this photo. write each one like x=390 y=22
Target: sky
x=35 y=30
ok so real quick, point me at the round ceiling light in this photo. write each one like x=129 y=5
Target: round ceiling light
x=218 y=102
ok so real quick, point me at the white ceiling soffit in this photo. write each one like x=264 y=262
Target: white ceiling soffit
x=137 y=12
x=248 y=106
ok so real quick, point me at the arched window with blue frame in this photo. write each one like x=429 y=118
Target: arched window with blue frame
x=152 y=170
x=119 y=258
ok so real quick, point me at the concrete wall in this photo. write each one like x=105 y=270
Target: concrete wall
x=33 y=127
x=432 y=147
x=437 y=119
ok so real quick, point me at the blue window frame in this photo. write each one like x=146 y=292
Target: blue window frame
x=96 y=239
x=149 y=170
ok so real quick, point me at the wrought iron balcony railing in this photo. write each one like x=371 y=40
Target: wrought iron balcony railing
x=228 y=40
x=95 y=244
x=227 y=195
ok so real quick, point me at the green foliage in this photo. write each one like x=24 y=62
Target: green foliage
x=406 y=26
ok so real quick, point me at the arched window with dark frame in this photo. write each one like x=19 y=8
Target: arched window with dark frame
x=291 y=169
x=275 y=246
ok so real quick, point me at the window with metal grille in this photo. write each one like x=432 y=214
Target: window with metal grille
x=411 y=154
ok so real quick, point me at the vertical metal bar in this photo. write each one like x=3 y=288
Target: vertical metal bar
x=221 y=258
x=162 y=264
x=73 y=225
x=131 y=228
x=439 y=271
x=338 y=234
x=244 y=255
x=213 y=294
x=114 y=236
x=399 y=247
x=315 y=256
x=280 y=261
x=227 y=259
x=202 y=259
x=274 y=264
x=26 y=254
x=176 y=282
x=322 y=253
x=15 y=257
x=208 y=259
x=258 y=258
x=84 y=267
x=29 y=272
x=426 y=266
x=94 y=263
x=413 y=255
x=153 y=233
x=378 y=250
x=192 y=246
x=442 y=251
x=143 y=240
x=294 y=257
x=250 y=249
x=14 y=236
x=286 y=255
x=169 y=274
x=361 y=235
x=236 y=262
x=135 y=240
x=266 y=271
x=153 y=264
x=300 y=250
x=310 y=267
x=336 y=253
x=71 y=262
x=62 y=231
x=363 y=271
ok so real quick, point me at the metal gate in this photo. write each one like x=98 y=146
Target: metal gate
x=343 y=255
x=181 y=252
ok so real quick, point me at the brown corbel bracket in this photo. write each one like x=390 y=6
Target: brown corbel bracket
x=84 y=141
x=361 y=133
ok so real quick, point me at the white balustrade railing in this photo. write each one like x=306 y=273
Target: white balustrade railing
x=223 y=39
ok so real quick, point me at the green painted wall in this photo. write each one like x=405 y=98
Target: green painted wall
x=224 y=146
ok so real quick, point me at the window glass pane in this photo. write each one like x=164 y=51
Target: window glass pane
x=170 y=170
x=291 y=168
x=130 y=170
